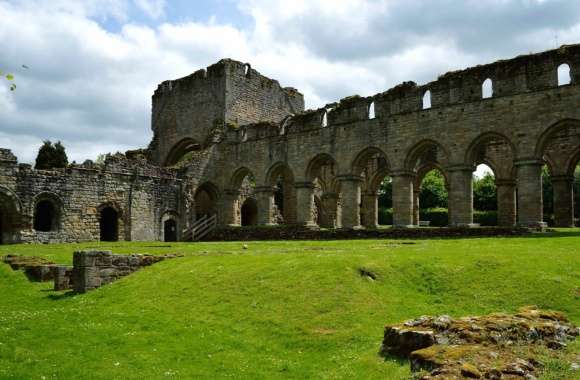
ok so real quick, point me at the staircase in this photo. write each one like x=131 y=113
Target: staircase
x=200 y=228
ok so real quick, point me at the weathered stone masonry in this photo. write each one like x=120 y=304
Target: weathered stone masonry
x=231 y=142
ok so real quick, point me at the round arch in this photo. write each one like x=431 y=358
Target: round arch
x=180 y=149
x=316 y=164
x=110 y=217
x=496 y=151
x=426 y=152
x=371 y=162
x=281 y=177
x=549 y=133
x=206 y=198
x=238 y=177
x=46 y=212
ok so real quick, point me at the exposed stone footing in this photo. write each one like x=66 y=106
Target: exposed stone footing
x=496 y=346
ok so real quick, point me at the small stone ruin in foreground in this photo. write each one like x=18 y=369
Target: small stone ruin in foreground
x=495 y=346
x=90 y=270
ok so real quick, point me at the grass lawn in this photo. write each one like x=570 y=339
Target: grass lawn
x=293 y=309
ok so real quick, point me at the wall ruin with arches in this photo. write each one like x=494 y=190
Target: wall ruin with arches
x=121 y=200
x=513 y=115
x=228 y=141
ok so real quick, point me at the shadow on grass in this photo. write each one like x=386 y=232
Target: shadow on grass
x=61 y=296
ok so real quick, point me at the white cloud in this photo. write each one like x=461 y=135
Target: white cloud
x=91 y=88
x=153 y=8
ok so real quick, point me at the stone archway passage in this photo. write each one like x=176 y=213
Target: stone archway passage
x=170 y=230
x=45 y=216
x=249 y=212
x=109 y=224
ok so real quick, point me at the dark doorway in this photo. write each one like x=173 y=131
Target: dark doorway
x=170 y=230
x=45 y=216
x=249 y=212
x=109 y=224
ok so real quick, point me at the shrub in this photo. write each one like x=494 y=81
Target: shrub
x=385 y=216
x=438 y=217
x=485 y=218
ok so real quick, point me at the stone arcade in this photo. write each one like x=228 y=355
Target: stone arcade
x=232 y=143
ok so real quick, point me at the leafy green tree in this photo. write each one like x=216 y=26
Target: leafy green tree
x=433 y=192
x=386 y=193
x=51 y=156
x=484 y=193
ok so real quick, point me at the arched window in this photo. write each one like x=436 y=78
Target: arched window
x=487 y=89
x=372 y=111
x=427 y=100
x=325 y=119
x=244 y=133
x=45 y=216
x=564 y=75
x=247 y=68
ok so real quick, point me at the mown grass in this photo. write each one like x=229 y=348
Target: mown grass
x=296 y=309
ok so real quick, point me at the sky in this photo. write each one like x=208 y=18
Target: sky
x=85 y=70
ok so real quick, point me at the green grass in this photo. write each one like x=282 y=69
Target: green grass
x=276 y=310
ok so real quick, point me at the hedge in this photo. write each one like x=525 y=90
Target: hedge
x=439 y=217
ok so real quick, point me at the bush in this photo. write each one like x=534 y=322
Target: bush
x=485 y=218
x=438 y=217
x=385 y=216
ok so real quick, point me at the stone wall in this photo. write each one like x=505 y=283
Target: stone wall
x=139 y=194
x=93 y=269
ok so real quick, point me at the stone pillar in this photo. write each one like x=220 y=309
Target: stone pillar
x=304 y=203
x=563 y=201
x=460 y=201
x=370 y=210
x=329 y=216
x=506 y=202
x=530 y=213
x=416 y=205
x=351 y=197
x=403 y=199
x=229 y=208
x=265 y=200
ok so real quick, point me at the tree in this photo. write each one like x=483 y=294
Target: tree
x=433 y=192
x=484 y=193
x=386 y=193
x=51 y=156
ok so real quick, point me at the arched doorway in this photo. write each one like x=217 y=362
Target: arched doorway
x=170 y=230
x=109 y=224
x=322 y=172
x=46 y=216
x=249 y=212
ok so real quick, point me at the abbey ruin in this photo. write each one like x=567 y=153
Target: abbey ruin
x=232 y=143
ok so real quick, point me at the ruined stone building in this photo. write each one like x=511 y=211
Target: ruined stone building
x=232 y=143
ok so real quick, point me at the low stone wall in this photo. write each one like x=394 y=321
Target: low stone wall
x=301 y=233
x=90 y=270
x=93 y=269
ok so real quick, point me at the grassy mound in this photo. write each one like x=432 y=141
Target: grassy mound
x=275 y=310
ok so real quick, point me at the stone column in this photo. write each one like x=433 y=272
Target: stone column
x=416 y=205
x=370 y=210
x=229 y=204
x=265 y=200
x=329 y=216
x=304 y=203
x=506 y=202
x=563 y=201
x=460 y=201
x=351 y=197
x=530 y=213
x=403 y=199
